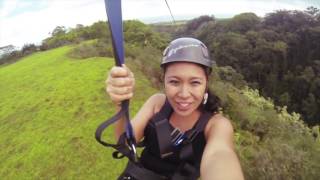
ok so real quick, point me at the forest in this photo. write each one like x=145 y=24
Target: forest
x=279 y=54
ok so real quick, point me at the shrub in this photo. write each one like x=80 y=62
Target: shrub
x=91 y=49
x=84 y=51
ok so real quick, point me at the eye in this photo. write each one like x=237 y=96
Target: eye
x=195 y=83
x=173 y=82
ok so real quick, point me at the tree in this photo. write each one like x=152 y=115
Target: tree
x=232 y=49
x=288 y=21
x=244 y=22
x=310 y=108
x=99 y=30
x=139 y=34
x=28 y=49
x=313 y=11
x=196 y=23
x=59 y=30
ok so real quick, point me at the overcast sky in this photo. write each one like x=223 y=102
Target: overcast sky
x=30 y=21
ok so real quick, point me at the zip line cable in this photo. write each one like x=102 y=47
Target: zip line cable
x=174 y=22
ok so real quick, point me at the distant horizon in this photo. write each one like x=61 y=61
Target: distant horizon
x=31 y=21
x=149 y=20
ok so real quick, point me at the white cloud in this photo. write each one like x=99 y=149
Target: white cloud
x=7 y=7
x=34 y=25
x=213 y=7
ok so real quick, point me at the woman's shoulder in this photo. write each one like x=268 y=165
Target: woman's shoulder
x=157 y=100
x=218 y=123
x=141 y=119
x=219 y=118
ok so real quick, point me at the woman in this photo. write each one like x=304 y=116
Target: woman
x=188 y=103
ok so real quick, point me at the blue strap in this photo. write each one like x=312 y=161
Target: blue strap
x=113 y=9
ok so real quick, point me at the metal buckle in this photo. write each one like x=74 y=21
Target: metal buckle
x=177 y=137
x=192 y=135
x=133 y=150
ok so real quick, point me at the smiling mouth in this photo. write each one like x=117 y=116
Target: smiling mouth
x=183 y=105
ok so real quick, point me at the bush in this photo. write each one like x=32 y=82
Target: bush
x=28 y=49
x=147 y=59
x=271 y=143
x=91 y=49
x=11 y=57
x=84 y=51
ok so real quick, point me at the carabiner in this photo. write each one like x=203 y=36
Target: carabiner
x=133 y=150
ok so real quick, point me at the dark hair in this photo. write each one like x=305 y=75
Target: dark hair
x=213 y=103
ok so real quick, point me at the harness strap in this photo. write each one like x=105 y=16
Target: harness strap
x=164 y=137
x=163 y=130
x=105 y=124
x=187 y=150
x=165 y=111
x=121 y=146
x=186 y=172
x=163 y=134
x=140 y=173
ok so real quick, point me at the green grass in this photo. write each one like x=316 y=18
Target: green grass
x=50 y=106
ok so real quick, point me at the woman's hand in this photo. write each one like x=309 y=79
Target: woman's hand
x=120 y=84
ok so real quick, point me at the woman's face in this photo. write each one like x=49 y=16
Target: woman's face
x=185 y=85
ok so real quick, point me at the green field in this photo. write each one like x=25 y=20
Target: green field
x=50 y=106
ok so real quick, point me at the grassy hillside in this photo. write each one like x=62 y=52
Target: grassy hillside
x=50 y=106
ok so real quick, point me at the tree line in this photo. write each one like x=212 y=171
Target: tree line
x=278 y=54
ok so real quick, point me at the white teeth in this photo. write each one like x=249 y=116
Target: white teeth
x=184 y=104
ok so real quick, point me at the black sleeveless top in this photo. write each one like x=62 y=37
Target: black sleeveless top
x=151 y=158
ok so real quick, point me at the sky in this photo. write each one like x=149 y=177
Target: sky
x=31 y=21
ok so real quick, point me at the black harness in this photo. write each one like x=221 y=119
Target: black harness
x=168 y=141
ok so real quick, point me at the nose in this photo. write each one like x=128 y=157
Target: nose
x=184 y=92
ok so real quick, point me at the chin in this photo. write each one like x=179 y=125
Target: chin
x=184 y=113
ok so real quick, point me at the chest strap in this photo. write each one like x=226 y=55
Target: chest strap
x=186 y=170
x=163 y=130
x=187 y=149
x=166 y=136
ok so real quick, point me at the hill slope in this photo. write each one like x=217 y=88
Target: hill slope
x=50 y=106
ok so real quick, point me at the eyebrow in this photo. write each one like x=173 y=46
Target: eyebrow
x=199 y=78
x=192 y=78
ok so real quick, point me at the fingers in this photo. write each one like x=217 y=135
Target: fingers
x=120 y=81
x=120 y=90
x=120 y=84
x=128 y=70
x=117 y=99
x=122 y=71
x=119 y=94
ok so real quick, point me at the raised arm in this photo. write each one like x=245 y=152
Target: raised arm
x=120 y=86
x=219 y=160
